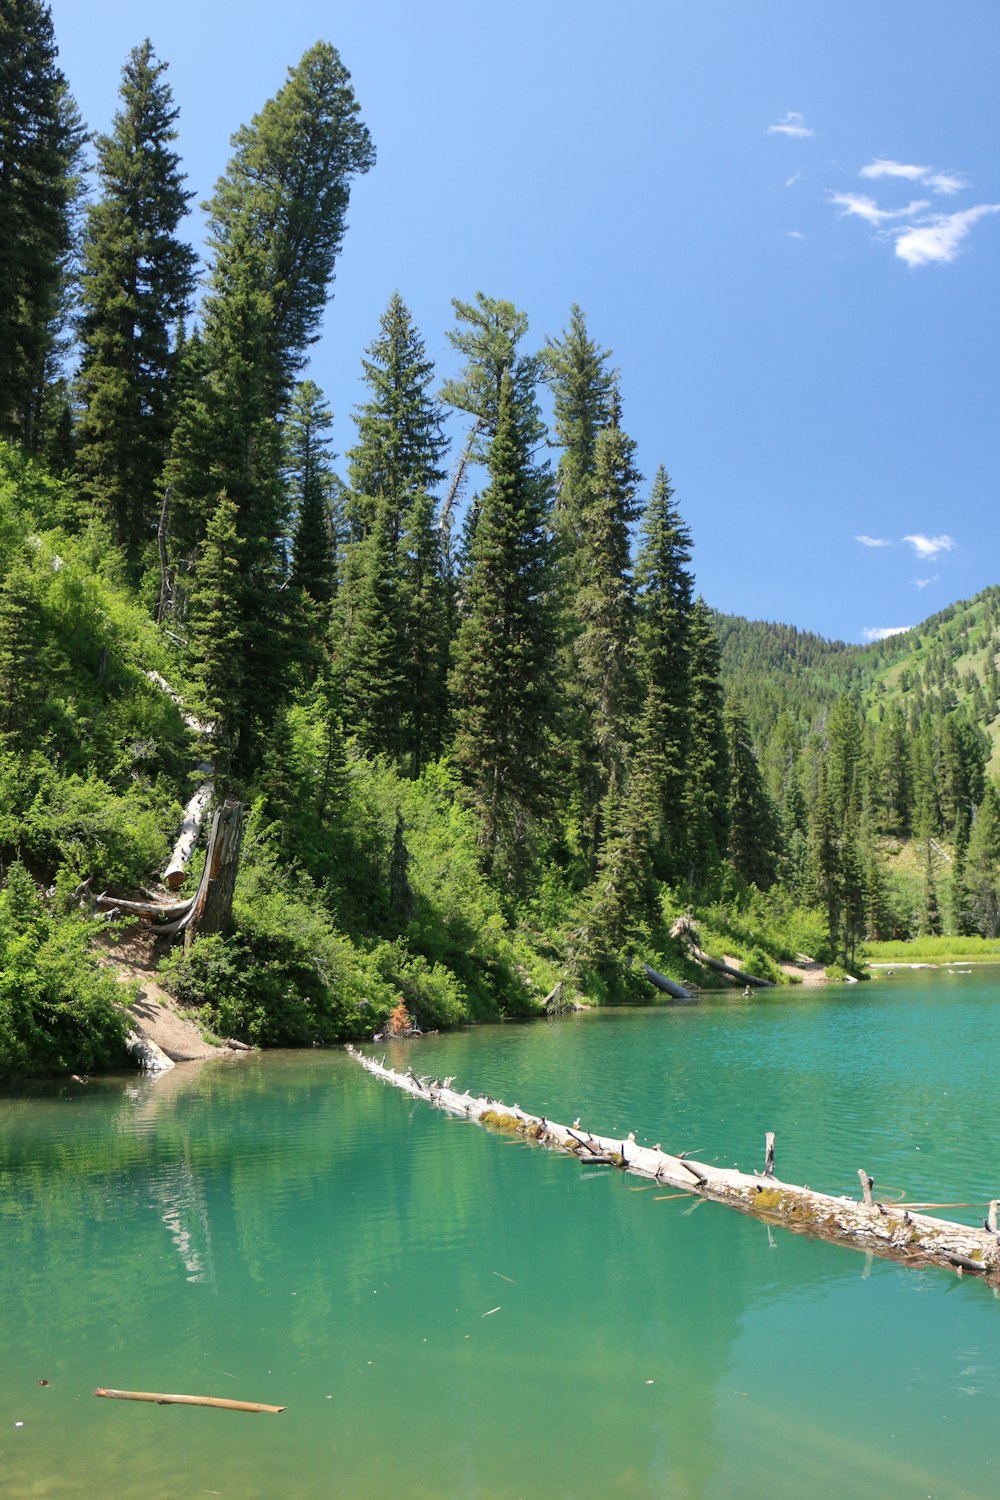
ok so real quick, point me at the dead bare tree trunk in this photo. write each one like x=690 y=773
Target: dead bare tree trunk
x=215 y=913
x=166 y=576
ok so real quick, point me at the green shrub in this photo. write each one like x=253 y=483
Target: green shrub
x=60 y=1012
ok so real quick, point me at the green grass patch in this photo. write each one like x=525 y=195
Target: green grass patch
x=938 y=950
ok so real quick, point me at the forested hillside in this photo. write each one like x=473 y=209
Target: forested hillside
x=468 y=695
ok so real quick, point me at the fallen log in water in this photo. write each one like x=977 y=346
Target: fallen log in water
x=162 y=1400
x=685 y=929
x=889 y=1229
x=668 y=986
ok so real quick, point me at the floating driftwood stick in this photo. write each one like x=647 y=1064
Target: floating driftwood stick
x=886 y=1228
x=769 y=1153
x=162 y=1400
x=867 y=1183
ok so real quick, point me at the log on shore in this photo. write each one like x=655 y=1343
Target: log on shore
x=887 y=1229
x=153 y=911
x=163 y=1400
x=210 y=908
x=685 y=929
x=187 y=839
x=149 y=1055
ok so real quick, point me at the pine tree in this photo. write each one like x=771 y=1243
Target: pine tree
x=424 y=609
x=603 y=690
x=582 y=385
x=309 y=480
x=824 y=885
x=844 y=766
x=852 y=884
x=891 y=778
x=137 y=281
x=276 y=221
x=393 y=468
x=20 y=678
x=706 y=799
x=930 y=920
x=794 y=825
x=217 y=654
x=502 y=678
x=753 y=820
x=400 y=445
x=41 y=141
x=668 y=724
x=489 y=338
x=981 y=873
x=369 y=645
x=620 y=900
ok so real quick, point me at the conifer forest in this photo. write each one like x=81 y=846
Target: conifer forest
x=490 y=741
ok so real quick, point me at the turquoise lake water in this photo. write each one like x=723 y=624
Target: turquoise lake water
x=448 y=1314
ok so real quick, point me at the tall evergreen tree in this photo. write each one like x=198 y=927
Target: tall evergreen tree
x=844 y=767
x=400 y=446
x=666 y=725
x=706 y=799
x=369 y=643
x=753 y=821
x=394 y=467
x=824 y=867
x=502 y=678
x=603 y=691
x=309 y=479
x=982 y=866
x=582 y=385
x=217 y=655
x=424 y=609
x=137 y=281
x=276 y=221
x=488 y=335
x=41 y=140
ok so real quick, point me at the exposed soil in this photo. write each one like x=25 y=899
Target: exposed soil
x=808 y=970
x=157 y=1015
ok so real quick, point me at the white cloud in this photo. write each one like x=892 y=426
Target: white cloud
x=791 y=181
x=921 y=583
x=939 y=182
x=872 y=541
x=866 y=208
x=881 y=167
x=939 y=238
x=882 y=632
x=792 y=125
x=930 y=546
x=795 y=234
x=946 y=182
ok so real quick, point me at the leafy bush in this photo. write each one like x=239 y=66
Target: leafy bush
x=81 y=823
x=285 y=977
x=432 y=994
x=60 y=1012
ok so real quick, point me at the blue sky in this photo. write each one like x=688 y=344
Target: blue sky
x=783 y=217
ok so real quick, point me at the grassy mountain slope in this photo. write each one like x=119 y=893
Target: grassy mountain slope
x=950 y=660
